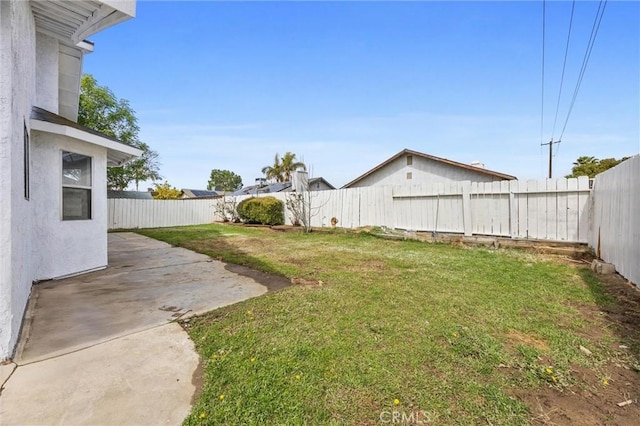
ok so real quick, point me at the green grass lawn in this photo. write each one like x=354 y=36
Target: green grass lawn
x=441 y=333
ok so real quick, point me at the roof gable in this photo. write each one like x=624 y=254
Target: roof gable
x=405 y=151
x=321 y=179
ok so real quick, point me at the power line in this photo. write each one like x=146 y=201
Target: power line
x=544 y=4
x=587 y=54
x=544 y=16
x=564 y=65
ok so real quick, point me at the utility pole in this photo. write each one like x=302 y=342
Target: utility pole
x=550 y=143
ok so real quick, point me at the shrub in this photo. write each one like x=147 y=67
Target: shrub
x=264 y=210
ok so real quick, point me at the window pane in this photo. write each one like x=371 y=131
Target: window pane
x=76 y=204
x=76 y=169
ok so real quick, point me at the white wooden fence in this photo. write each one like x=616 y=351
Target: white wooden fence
x=130 y=214
x=553 y=209
x=615 y=218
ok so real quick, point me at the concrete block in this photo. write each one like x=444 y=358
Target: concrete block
x=600 y=267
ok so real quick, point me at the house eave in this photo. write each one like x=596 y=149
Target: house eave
x=117 y=152
x=77 y=20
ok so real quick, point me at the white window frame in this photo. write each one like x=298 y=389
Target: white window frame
x=85 y=187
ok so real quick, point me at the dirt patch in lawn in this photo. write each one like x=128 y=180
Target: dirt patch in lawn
x=612 y=394
x=517 y=337
x=590 y=402
x=624 y=315
x=271 y=281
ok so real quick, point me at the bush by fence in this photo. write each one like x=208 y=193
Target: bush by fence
x=264 y=210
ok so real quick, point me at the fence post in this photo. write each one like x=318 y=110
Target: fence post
x=466 y=208
x=513 y=213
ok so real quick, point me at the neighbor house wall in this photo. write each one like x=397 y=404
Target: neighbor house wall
x=17 y=95
x=70 y=246
x=422 y=171
x=319 y=185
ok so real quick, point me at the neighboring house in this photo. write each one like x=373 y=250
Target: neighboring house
x=315 y=184
x=412 y=167
x=319 y=184
x=201 y=193
x=53 y=196
x=131 y=195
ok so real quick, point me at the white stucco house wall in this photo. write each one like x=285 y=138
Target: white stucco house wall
x=53 y=215
x=410 y=167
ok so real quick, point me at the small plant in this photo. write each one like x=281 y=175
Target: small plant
x=295 y=207
x=226 y=209
x=264 y=210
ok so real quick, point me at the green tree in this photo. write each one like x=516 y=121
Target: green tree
x=101 y=110
x=224 y=180
x=164 y=191
x=282 y=169
x=591 y=166
x=145 y=167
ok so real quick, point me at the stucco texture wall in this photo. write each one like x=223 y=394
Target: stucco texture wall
x=17 y=94
x=47 y=72
x=69 y=246
x=422 y=171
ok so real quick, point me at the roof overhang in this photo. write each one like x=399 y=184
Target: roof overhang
x=78 y=19
x=118 y=153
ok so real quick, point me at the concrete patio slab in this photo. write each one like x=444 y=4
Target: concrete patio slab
x=5 y=371
x=141 y=379
x=104 y=347
x=148 y=283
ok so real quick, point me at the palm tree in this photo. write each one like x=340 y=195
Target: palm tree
x=281 y=170
x=585 y=160
x=274 y=172
x=290 y=165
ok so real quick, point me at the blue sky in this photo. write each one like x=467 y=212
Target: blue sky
x=345 y=85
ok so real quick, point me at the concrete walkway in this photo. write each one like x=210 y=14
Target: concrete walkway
x=102 y=348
